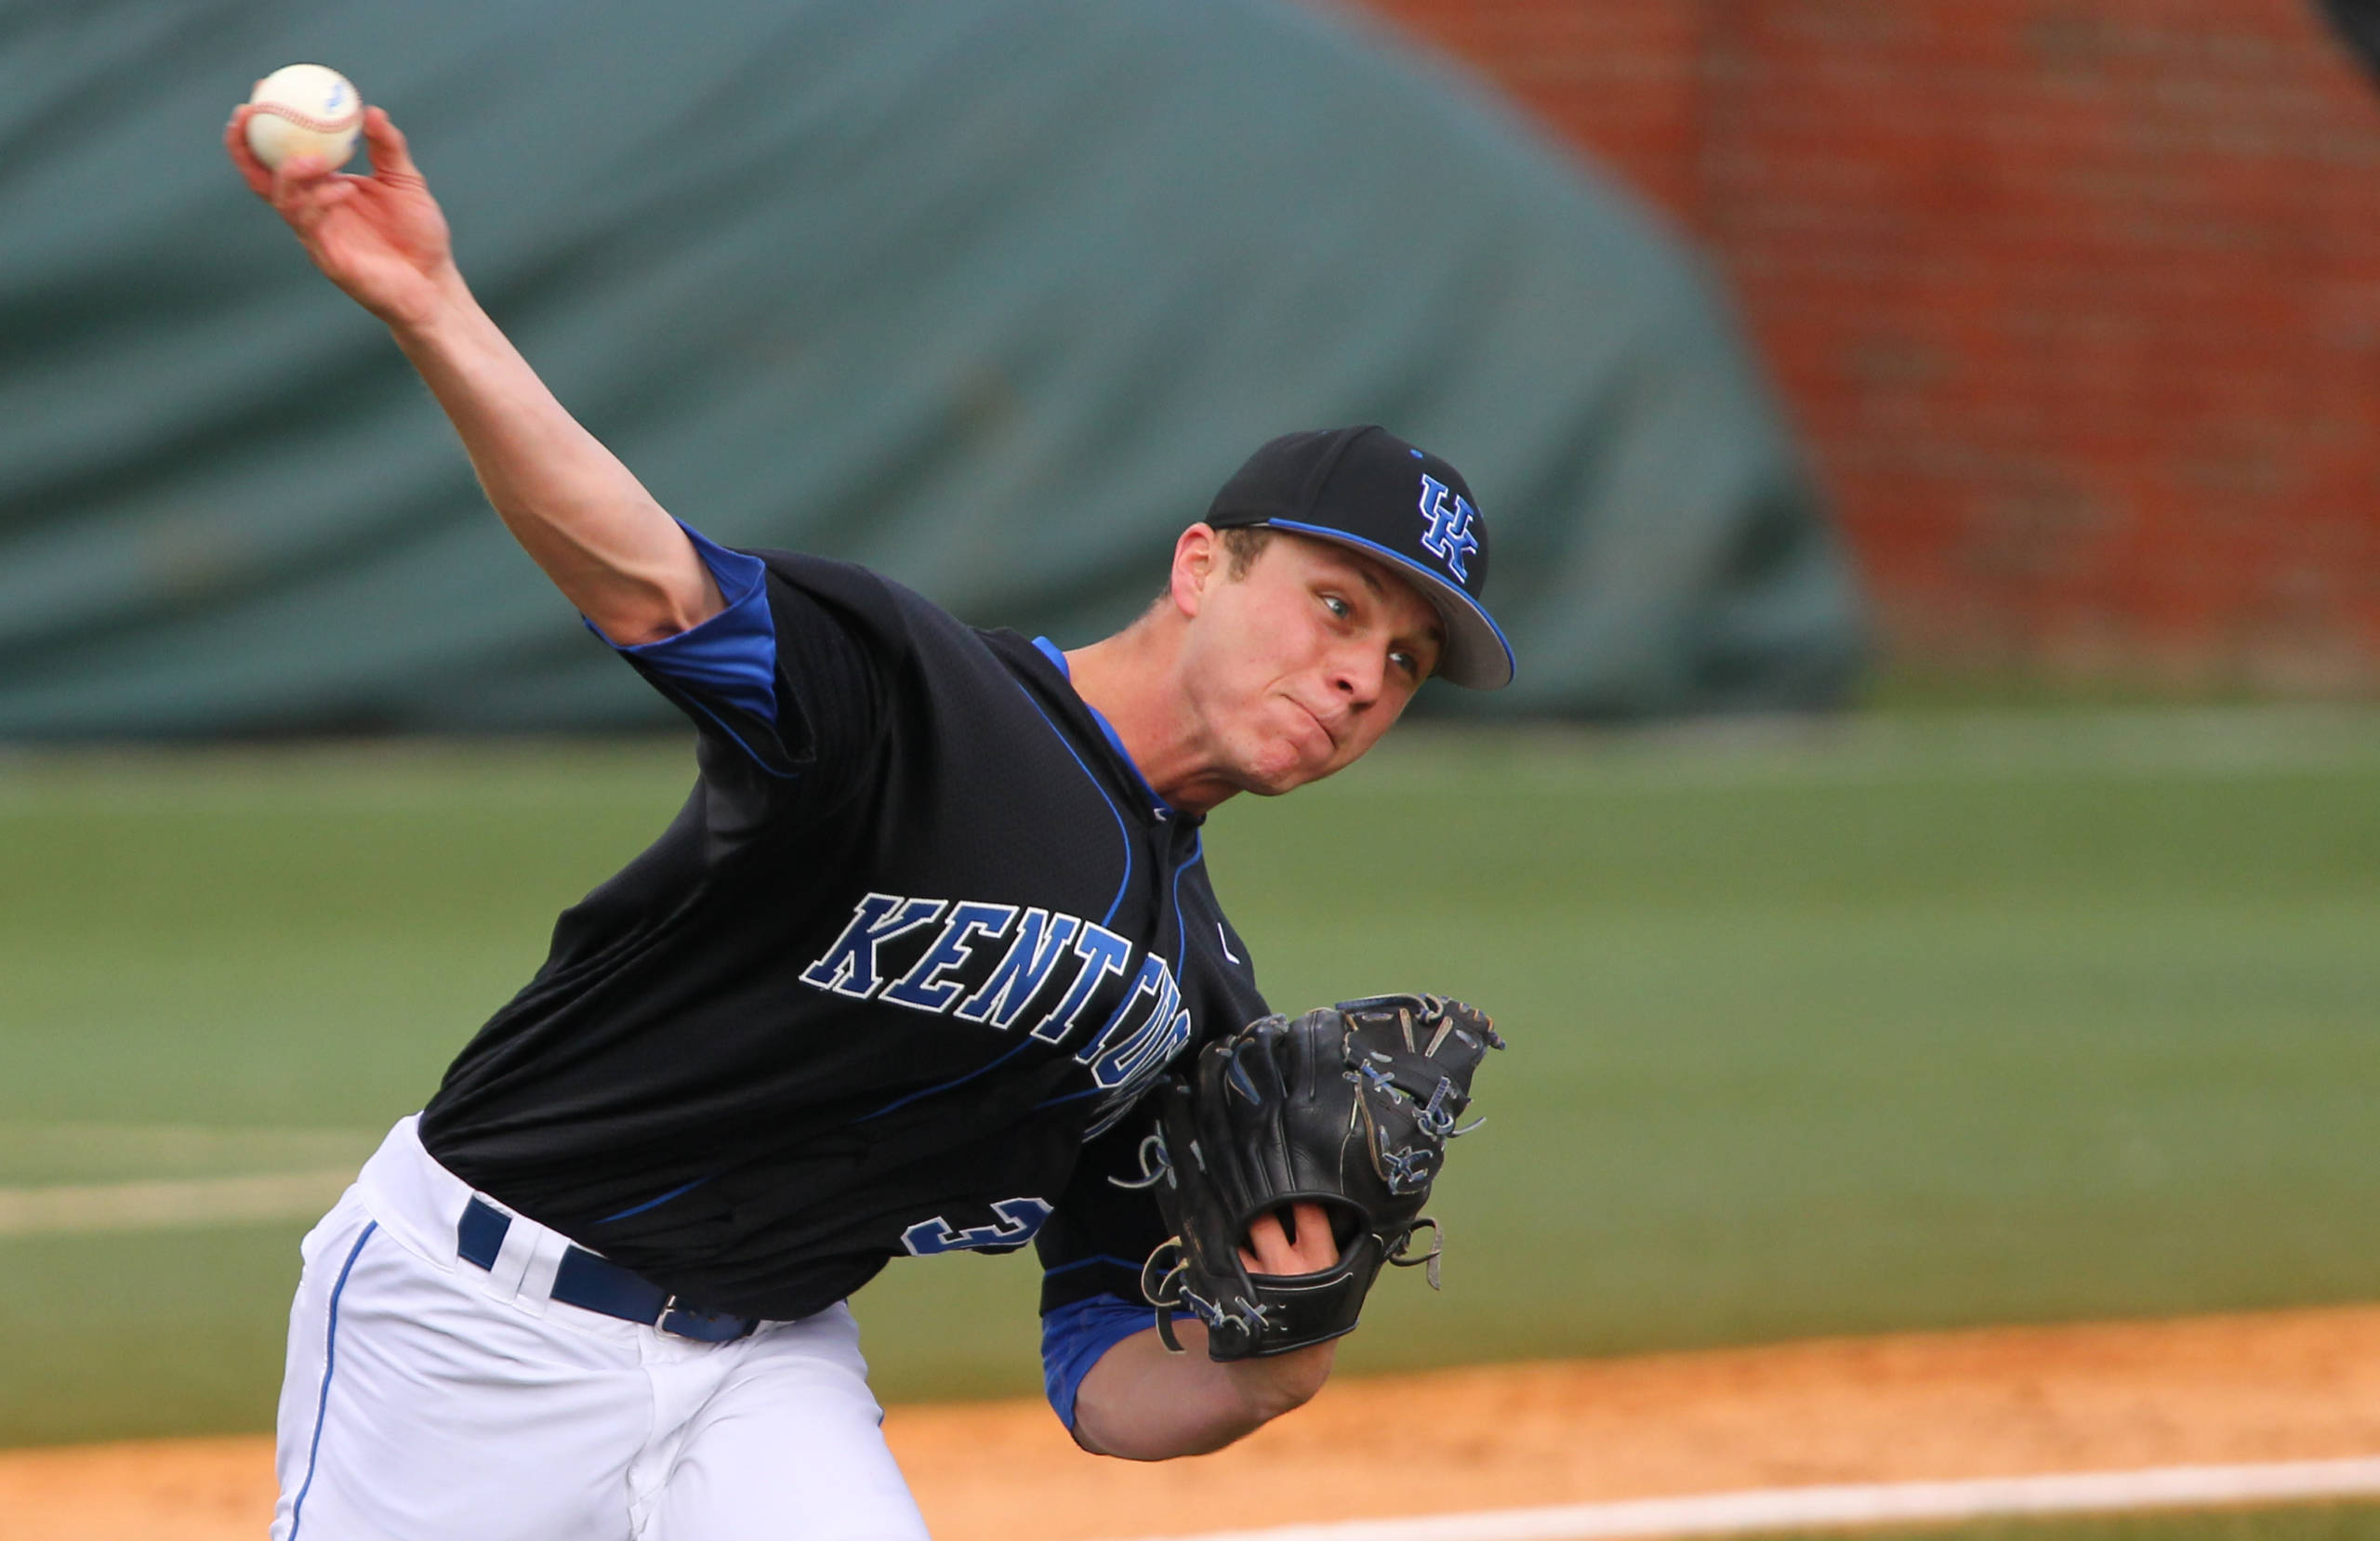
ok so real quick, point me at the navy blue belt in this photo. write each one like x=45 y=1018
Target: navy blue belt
x=598 y=1284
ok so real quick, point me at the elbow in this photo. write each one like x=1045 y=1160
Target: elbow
x=636 y=631
x=651 y=615
x=1090 y=1446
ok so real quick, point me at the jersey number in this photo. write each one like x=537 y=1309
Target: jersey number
x=1019 y=1218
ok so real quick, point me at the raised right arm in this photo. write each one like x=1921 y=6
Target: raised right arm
x=580 y=514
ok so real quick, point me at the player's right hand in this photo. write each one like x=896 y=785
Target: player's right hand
x=380 y=238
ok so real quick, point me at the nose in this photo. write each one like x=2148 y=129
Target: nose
x=1357 y=674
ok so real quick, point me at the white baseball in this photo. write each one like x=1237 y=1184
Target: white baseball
x=304 y=110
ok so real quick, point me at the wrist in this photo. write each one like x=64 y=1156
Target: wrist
x=438 y=315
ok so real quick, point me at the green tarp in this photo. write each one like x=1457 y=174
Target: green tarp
x=988 y=296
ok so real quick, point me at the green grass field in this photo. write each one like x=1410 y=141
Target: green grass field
x=1904 y=1023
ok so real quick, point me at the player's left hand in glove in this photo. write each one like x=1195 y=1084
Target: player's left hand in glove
x=1348 y=1108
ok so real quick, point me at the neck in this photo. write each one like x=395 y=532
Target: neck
x=1129 y=679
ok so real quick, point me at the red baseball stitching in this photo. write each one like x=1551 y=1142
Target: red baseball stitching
x=307 y=120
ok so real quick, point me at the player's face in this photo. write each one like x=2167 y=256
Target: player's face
x=1297 y=667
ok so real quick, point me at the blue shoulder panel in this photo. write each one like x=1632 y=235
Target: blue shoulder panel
x=731 y=658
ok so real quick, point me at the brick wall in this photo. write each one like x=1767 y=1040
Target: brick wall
x=2076 y=305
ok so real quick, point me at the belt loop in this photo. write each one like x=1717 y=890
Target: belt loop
x=537 y=1274
x=503 y=1280
x=531 y=1267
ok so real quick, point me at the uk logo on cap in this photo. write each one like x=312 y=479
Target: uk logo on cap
x=1355 y=487
x=1450 y=536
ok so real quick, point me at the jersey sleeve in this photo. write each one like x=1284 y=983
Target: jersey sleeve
x=1077 y=1335
x=1092 y=1250
x=784 y=697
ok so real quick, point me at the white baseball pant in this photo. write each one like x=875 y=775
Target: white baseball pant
x=428 y=1400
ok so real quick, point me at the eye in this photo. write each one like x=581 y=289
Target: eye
x=1338 y=606
x=1406 y=662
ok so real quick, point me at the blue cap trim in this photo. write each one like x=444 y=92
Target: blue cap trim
x=1437 y=584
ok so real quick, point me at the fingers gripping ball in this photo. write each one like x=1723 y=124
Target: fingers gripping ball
x=1350 y=1107
x=304 y=110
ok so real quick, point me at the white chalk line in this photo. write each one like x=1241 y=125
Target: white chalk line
x=1862 y=750
x=190 y=1203
x=1781 y=1508
x=1699 y=754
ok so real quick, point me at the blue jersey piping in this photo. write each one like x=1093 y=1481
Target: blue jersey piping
x=655 y=1204
x=1123 y=831
x=1158 y=805
x=1091 y=1262
x=960 y=1081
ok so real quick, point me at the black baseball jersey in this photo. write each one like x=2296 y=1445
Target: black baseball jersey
x=919 y=932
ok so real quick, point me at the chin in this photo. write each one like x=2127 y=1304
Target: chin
x=1270 y=776
x=1270 y=786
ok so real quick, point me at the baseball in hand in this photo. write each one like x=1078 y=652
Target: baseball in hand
x=304 y=110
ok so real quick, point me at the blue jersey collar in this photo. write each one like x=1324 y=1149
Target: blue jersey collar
x=1158 y=805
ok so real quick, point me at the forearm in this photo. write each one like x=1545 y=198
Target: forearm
x=611 y=550
x=1143 y=1404
x=580 y=514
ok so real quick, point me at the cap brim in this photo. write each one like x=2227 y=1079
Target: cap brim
x=1476 y=655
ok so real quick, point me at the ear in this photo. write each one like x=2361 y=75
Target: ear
x=1198 y=562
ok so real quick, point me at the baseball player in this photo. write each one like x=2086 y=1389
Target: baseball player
x=932 y=922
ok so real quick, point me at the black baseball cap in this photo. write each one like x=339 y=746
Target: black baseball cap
x=1366 y=489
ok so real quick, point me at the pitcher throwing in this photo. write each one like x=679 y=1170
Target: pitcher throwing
x=895 y=982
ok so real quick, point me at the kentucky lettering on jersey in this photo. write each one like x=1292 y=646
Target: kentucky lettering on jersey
x=799 y=1035
x=887 y=947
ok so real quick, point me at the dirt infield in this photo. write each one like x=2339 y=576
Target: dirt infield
x=2301 y=1383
